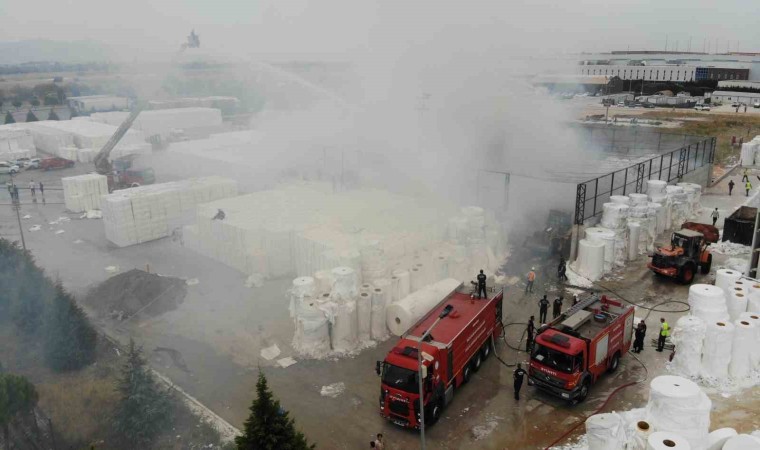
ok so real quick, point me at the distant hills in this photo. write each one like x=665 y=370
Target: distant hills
x=20 y=52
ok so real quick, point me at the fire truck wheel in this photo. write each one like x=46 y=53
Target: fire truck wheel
x=583 y=393
x=614 y=363
x=435 y=412
x=706 y=266
x=486 y=350
x=476 y=361
x=466 y=374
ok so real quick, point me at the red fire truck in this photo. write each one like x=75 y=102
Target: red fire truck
x=574 y=350
x=452 y=351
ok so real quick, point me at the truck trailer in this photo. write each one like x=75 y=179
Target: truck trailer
x=455 y=348
x=574 y=351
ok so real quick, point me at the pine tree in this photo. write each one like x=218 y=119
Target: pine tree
x=70 y=338
x=144 y=409
x=18 y=397
x=9 y=118
x=269 y=427
x=53 y=115
x=30 y=117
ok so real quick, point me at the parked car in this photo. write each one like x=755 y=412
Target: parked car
x=756 y=104
x=55 y=163
x=8 y=167
x=33 y=163
x=702 y=107
x=21 y=162
x=735 y=104
x=648 y=105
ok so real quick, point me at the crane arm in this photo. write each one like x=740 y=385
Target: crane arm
x=101 y=160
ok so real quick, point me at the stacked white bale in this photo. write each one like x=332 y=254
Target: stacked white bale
x=634 y=231
x=716 y=352
x=83 y=192
x=605 y=432
x=606 y=237
x=303 y=288
x=312 y=331
x=656 y=187
x=640 y=214
x=737 y=302
x=725 y=279
x=614 y=215
x=88 y=134
x=373 y=262
x=638 y=199
x=753 y=304
x=742 y=442
x=742 y=349
x=344 y=325
x=590 y=262
x=708 y=302
x=323 y=280
x=694 y=194
x=364 y=312
x=678 y=405
x=379 y=329
x=688 y=336
x=406 y=312
x=622 y=199
x=141 y=214
x=717 y=438
x=748 y=155
x=753 y=318
x=345 y=284
x=661 y=440
x=680 y=206
x=49 y=140
x=400 y=286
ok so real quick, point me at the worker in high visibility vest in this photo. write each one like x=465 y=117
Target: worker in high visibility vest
x=664 y=333
x=531 y=279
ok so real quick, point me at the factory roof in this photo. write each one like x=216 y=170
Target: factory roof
x=736 y=93
x=572 y=79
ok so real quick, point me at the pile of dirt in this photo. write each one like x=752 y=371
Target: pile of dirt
x=125 y=294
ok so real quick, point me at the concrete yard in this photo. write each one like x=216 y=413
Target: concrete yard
x=222 y=325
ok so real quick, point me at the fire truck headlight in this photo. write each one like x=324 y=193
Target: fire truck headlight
x=565 y=395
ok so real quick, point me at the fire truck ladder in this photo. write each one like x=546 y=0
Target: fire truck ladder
x=574 y=309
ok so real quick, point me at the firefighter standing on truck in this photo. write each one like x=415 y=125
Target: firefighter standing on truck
x=482 y=284
x=664 y=333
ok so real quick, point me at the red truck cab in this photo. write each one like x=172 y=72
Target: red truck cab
x=573 y=351
x=453 y=350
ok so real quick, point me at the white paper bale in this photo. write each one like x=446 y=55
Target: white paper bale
x=725 y=279
x=406 y=312
x=302 y=288
x=753 y=304
x=656 y=187
x=364 y=312
x=742 y=442
x=346 y=285
x=717 y=438
x=634 y=231
x=736 y=303
x=716 y=352
x=678 y=405
x=312 y=335
x=754 y=318
x=614 y=215
x=590 y=262
x=742 y=349
x=622 y=199
x=344 y=330
x=379 y=330
x=399 y=284
x=688 y=335
x=708 y=302
x=747 y=155
x=323 y=281
x=638 y=199
x=605 y=432
x=661 y=440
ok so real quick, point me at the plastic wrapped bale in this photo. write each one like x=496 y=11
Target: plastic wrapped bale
x=590 y=262
x=708 y=303
x=655 y=187
x=605 y=432
x=346 y=285
x=747 y=155
x=716 y=352
x=303 y=288
x=688 y=335
x=742 y=349
x=622 y=199
x=345 y=324
x=312 y=334
x=678 y=405
x=638 y=199
x=606 y=237
x=614 y=215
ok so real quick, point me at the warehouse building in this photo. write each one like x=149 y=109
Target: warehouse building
x=664 y=72
x=98 y=103
x=747 y=98
x=733 y=84
x=580 y=83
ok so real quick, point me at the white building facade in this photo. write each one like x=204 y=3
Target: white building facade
x=646 y=73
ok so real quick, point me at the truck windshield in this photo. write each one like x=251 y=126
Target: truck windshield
x=400 y=378
x=554 y=359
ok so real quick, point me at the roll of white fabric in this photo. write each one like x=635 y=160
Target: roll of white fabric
x=656 y=187
x=642 y=430
x=742 y=442
x=736 y=303
x=590 y=261
x=742 y=350
x=708 y=303
x=661 y=198
x=312 y=337
x=716 y=351
x=609 y=251
x=679 y=405
x=717 y=438
x=302 y=287
x=379 y=330
x=373 y=262
x=688 y=335
x=364 y=313
x=614 y=215
x=605 y=432
x=402 y=285
x=754 y=318
x=598 y=233
x=346 y=284
x=402 y=315
x=622 y=199
x=344 y=330
x=638 y=199
x=753 y=304
x=323 y=280
x=440 y=268
x=661 y=440
x=743 y=284
x=725 y=278
x=634 y=229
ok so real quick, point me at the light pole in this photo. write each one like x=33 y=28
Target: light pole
x=446 y=310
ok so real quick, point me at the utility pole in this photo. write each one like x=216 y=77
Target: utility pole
x=17 y=207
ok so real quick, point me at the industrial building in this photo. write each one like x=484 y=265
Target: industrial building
x=98 y=103
x=580 y=83
x=731 y=84
x=747 y=98
x=664 y=72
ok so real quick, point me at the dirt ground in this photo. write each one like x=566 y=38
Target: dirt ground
x=210 y=344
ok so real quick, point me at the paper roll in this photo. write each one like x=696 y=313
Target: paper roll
x=716 y=354
x=708 y=302
x=754 y=318
x=679 y=405
x=662 y=440
x=688 y=335
x=402 y=315
x=401 y=284
x=590 y=260
x=379 y=331
x=614 y=215
x=302 y=287
x=742 y=350
x=323 y=280
x=346 y=284
x=638 y=199
x=344 y=330
x=753 y=304
x=621 y=199
x=605 y=432
x=311 y=338
x=736 y=302
x=656 y=186
x=364 y=313
x=716 y=439
x=634 y=229
x=742 y=442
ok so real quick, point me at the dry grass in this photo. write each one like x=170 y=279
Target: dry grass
x=722 y=126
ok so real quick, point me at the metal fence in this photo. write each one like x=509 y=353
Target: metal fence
x=633 y=140
x=592 y=194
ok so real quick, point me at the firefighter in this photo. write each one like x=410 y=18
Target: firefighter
x=641 y=332
x=531 y=279
x=664 y=333
x=731 y=185
x=562 y=269
x=575 y=299
x=482 y=284
x=219 y=215
x=748 y=187
x=745 y=176
x=543 y=308
x=715 y=216
x=518 y=376
x=557 y=307
x=531 y=331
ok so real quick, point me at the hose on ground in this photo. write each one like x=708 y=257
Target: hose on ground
x=604 y=404
x=650 y=309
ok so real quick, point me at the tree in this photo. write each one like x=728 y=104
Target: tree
x=53 y=115
x=144 y=409
x=9 y=118
x=30 y=117
x=34 y=101
x=70 y=339
x=17 y=103
x=269 y=427
x=18 y=397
